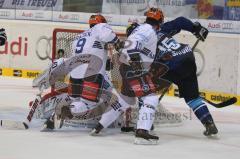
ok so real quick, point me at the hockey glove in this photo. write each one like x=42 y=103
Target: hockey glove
x=3 y=37
x=199 y=31
x=119 y=45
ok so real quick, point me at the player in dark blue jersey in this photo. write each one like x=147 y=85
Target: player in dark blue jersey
x=182 y=72
x=182 y=67
x=181 y=23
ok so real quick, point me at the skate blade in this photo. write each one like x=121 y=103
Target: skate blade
x=93 y=133
x=141 y=141
x=213 y=137
x=15 y=125
x=58 y=123
x=45 y=129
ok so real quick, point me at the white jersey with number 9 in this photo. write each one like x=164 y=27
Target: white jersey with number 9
x=92 y=41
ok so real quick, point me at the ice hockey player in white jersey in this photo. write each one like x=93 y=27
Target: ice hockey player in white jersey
x=143 y=48
x=86 y=91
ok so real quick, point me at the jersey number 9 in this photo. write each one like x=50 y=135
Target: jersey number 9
x=80 y=44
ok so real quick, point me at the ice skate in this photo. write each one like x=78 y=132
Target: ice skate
x=96 y=130
x=48 y=125
x=142 y=137
x=211 y=129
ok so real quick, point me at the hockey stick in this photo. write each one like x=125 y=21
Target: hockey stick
x=226 y=103
x=223 y=104
x=21 y=125
x=11 y=124
x=195 y=44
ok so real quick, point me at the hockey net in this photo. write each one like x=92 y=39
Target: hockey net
x=62 y=47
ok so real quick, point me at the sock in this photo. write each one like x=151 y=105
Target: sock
x=200 y=110
x=146 y=117
x=109 y=117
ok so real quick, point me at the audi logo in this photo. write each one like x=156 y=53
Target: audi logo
x=44 y=47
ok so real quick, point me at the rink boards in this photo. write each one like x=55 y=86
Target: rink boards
x=27 y=53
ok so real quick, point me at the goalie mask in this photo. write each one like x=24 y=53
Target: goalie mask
x=96 y=19
x=154 y=16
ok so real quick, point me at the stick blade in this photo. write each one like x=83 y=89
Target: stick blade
x=226 y=103
x=13 y=125
x=231 y=101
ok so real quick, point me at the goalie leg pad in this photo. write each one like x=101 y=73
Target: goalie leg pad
x=82 y=106
x=61 y=101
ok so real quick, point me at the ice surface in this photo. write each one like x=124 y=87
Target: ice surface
x=185 y=141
